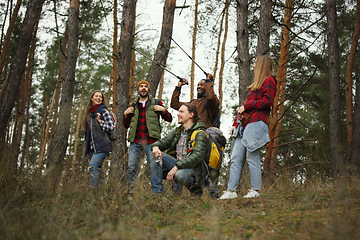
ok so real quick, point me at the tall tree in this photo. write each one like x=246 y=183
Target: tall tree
x=278 y=107
x=163 y=47
x=63 y=127
x=122 y=83
x=222 y=64
x=112 y=87
x=219 y=41
x=262 y=46
x=334 y=88
x=349 y=72
x=242 y=39
x=5 y=46
x=17 y=68
x=21 y=102
x=192 y=75
x=354 y=153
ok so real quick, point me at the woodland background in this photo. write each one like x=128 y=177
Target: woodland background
x=55 y=53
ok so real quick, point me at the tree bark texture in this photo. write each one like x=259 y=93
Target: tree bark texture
x=5 y=46
x=132 y=66
x=21 y=104
x=118 y=158
x=354 y=159
x=163 y=47
x=222 y=65
x=349 y=79
x=278 y=106
x=192 y=75
x=334 y=88
x=77 y=130
x=112 y=87
x=262 y=46
x=242 y=38
x=17 y=68
x=63 y=127
x=219 y=42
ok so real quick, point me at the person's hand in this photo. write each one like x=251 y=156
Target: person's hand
x=182 y=83
x=171 y=174
x=232 y=130
x=241 y=109
x=156 y=152
x=129 y=111
x=98 y=115
x=158 y=108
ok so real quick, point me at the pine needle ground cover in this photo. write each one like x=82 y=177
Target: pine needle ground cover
x=281 y=212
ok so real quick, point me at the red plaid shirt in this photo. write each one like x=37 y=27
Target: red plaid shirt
x=142 y=132
x=259 y=102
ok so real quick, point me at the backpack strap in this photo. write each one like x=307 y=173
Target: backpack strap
x=192 y=138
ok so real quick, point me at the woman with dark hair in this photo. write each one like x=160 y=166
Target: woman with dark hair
x=252 y=134
x=97 y=121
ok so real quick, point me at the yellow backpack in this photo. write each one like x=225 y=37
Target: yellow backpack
x=215 y=151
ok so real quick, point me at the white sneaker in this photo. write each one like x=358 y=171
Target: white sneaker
x=228 y=195
x=252 y=193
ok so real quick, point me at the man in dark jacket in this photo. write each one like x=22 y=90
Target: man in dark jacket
x=142 y=117
x=184 y=162
x=206 y=103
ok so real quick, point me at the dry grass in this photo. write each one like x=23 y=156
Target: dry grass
x=284 y=211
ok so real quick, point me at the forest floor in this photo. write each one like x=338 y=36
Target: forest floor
x=283 y=211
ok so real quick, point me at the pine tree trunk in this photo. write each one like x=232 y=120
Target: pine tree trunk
x=219 y=42
x=132 y=67
x=11 y=89
x=222 y=65
x=192 y=75
x=112 y=87
x=163 y=47
x=118 y=156
x=63 y=127
x=77 y=130
x=278 y=107
x=50 y=136
x=161 y=87
x=242 y=37
x=5 y=46
x=21 y=103
x=334 y=89
x=354 y=153
x=349 y=79
x=25 y=145
x=262 y=46
x=43 y=138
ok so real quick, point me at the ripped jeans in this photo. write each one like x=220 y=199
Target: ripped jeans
x=95 y=164
x=133 y=159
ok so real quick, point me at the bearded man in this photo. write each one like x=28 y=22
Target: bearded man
x=143 y=118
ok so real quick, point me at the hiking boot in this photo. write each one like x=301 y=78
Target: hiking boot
x=252 y=193
x=228 y=195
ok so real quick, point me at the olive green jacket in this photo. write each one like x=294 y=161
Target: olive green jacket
x=152 y=120
x=197 y=154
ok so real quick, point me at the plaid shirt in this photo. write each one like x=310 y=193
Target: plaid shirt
x=108 y=123
x=181 y=151
x=142 y=132
x=259 y=102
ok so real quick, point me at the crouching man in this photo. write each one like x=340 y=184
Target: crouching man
x=183 y=162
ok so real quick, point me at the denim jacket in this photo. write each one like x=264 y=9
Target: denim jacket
x=254 y=136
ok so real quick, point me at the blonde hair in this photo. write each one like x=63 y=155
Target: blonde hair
x=89 y=104
x=264 y=65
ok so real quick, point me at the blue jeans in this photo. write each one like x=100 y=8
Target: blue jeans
x=156 y=171
x=95 y=164
x=237 y=158
x=184 y=177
